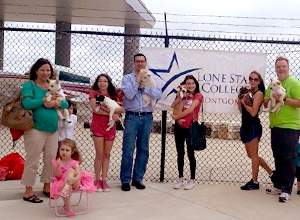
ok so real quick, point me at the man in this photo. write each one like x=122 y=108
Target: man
x=138 y=124
x=285 y=128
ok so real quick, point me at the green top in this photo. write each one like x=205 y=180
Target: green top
x=45 y=119
x=288 y=116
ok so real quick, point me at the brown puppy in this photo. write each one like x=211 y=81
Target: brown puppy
x=178 y=108
x=246 y=94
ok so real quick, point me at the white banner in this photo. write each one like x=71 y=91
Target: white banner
x=220 y=74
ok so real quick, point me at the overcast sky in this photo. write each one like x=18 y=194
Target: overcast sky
x=288 y=9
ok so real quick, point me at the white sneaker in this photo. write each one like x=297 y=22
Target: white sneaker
x=273 y=191
x=179 y=184
x=190 y=184
x=284 y=197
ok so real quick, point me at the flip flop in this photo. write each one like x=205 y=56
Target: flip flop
x=33 y=199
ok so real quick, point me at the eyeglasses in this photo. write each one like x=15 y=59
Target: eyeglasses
x=253 y=79
x=104 y=81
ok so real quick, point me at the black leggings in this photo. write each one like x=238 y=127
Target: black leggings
x=181 y=135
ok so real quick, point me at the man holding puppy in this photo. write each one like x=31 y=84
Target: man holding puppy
x=138 y=124
x=285 y=128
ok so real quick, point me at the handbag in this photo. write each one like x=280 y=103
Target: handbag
x=196 y=137
x=16 y=117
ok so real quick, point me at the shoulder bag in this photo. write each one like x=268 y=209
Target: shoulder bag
x=196 y=137
x=15 y=116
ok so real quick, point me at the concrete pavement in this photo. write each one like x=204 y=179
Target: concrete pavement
x=158 y=201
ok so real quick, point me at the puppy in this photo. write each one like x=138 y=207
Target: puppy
x=178 y=108
x=112 y=105
x=246 y=94
x=55 y=89
x=273 y=105
x=147 y=80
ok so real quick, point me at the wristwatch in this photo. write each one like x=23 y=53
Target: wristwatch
x=284 y=99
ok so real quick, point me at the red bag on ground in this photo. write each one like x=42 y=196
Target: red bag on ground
x=14 y=162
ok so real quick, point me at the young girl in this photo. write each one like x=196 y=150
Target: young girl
x=65 y=129
x=251 y=129
x=103 y=139
x=189 y=112
x=68 y=175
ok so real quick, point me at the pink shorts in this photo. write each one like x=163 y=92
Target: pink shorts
x=109 y=136
x=99 y=125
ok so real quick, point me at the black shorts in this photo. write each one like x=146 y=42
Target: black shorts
x=249 y=132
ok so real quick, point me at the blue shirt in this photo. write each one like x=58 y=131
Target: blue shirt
x=133 y=95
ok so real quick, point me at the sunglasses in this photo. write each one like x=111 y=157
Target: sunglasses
x=253 y=79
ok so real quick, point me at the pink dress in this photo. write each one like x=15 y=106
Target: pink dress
x=86 y=181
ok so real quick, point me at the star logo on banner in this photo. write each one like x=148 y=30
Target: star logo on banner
x=168 y=76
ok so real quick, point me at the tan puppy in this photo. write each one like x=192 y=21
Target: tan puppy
x=55 y=88
x=148 y=81
x=273 y=105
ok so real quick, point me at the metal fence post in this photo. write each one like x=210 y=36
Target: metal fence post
x=164 y=123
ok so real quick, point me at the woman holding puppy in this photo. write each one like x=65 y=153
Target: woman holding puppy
x=251 y=129
x=191 y=107
x=43 y=137
x=103 y=140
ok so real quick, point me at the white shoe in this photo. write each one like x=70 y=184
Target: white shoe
x=273 y=191
x=190 y=184
x=284 y=197
x=179 y=184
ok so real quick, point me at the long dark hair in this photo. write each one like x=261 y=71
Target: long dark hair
x=261 y=85
x=75 y=152
x=111 y=88
x=195 y=80
x=40 y=62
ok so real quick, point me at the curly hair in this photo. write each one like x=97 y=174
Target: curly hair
x=111 y=88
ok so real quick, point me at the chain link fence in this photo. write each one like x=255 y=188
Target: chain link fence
x=94 y=52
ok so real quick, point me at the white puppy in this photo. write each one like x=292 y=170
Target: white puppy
x=148 y=81
x=112 y=105
x=273 y=105
x=55 y=89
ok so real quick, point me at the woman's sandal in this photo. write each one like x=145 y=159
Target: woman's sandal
x=33 y=199
x=69 y=213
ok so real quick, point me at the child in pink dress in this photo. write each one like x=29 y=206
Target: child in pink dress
x=68 y=176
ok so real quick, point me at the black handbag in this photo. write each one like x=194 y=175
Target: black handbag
x=196 y=138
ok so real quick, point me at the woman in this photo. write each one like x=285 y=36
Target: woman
x=103 y=139
x=251 y=129
x=190 y=111
x=42 y=138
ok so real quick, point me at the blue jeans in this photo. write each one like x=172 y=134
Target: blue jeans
x=137 y=132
